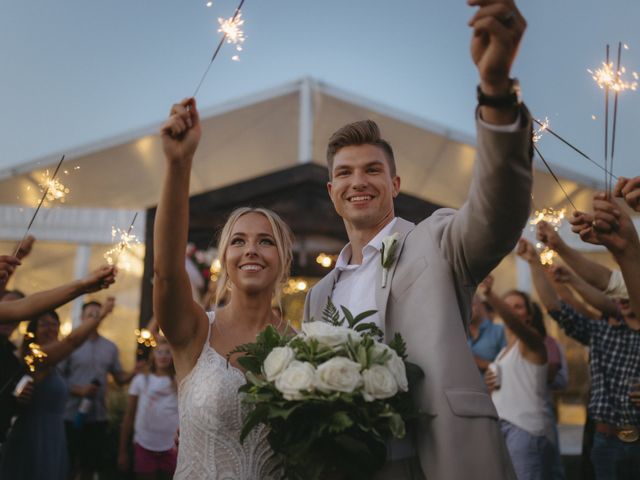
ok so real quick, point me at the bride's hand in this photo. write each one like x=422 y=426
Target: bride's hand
x=181 y=132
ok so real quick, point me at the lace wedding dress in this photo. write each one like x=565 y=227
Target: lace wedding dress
x=211 y=417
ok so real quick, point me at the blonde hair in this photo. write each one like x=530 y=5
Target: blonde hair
x=284 y=243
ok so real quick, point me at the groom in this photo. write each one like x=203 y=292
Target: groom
x=439 y=262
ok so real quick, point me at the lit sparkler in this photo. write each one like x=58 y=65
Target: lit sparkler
x=42 y=199
x=54 y=189
x=35 y=356
x=610 y=78
x=145 y=337
x=125 y=241
x=232 y=28
x=542 y=127
x=547 y=256
x=550 y=215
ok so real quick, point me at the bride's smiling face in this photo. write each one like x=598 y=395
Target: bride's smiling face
x=252 y=259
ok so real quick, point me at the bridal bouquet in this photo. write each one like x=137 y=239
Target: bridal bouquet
x=331 y=395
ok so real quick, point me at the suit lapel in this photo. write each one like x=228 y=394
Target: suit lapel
x=403 y=227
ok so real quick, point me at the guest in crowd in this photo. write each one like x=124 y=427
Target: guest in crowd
x=85 y=373
x=12 y=368
x=485 y=338
x=518 y=388
x=614 y=361
x=36 y=447
x=152 y=417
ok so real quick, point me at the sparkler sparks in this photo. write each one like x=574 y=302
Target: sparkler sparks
x=125 y=242
x=550 y=215
x=52 y=188
x=232 y=30
x=35 y=356
x=145 y=337
x=608 y=77
x=542 y=126
x=547 y=256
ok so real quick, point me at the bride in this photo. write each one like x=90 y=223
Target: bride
x=255 y=252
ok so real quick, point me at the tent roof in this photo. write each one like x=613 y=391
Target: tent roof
x=266 y=132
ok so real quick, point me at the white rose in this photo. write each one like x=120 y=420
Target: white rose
x=338 y=374
x=395 y=365
x=297 y=376
x=379 y=383
x=328 y=334
x=397 y=368
x=278 y=359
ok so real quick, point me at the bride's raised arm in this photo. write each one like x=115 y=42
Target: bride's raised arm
x=182 y=320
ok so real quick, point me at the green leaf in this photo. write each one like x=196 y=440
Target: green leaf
x=348 y=316
x=396 y=424
x=254 y=379
x=340 y=421
x=363 y=315
x=250 y=363
x=257 y=416
x=398 y=344
x=330 y=313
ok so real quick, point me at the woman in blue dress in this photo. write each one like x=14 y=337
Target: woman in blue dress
x=36 y=447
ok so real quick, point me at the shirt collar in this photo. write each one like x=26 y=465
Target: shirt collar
x=374 y=246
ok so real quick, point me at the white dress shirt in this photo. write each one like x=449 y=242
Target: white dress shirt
x=355 y=288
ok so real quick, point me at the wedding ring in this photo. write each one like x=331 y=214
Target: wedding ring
x=507 y=20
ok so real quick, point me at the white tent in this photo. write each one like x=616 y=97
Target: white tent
x=112 y=179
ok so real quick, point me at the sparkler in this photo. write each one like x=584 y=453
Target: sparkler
x=550 y=215
x=145 y=337
x=547 y=256
x=542 y=127
x=232 y=33
x=554 y=176
x=42 y=199
x=570 y=145
x=126 y=240
x=35 y=356
x=610 y=79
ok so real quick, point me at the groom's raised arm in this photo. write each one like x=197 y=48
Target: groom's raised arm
x=489 y=224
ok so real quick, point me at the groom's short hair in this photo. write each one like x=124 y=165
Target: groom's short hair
x=364 y=132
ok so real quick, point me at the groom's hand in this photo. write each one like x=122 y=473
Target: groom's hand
x=497 y=27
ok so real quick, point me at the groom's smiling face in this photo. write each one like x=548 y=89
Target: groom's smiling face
x=361 y=187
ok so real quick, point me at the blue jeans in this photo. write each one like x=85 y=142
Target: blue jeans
x=614 y=459
x=531 y=455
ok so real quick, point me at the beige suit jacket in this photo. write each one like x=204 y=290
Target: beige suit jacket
x=427 y=299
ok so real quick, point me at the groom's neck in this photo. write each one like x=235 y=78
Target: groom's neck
x=360 y=235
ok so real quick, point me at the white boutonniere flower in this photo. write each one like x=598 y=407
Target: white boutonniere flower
x=388 y=255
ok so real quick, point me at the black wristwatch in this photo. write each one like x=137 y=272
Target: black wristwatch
x=508 y=100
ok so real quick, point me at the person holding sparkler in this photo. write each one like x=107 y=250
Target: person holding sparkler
x=424 y=289
x=36 y=447
x=256 y=252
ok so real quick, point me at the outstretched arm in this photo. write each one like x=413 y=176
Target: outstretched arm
x=525 y=333
x=614 y=229
x=40 y=302
x=594 y=297
x=183 y=322
x=490 y=222
x=592 y=272
x=546 y=292
x=58 y=351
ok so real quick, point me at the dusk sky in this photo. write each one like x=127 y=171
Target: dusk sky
x=78 y=71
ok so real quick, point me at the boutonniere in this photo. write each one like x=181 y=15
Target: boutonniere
x=388 y=255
